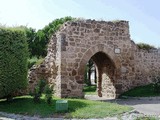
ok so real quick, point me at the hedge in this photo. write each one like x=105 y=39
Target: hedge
x=13 y=61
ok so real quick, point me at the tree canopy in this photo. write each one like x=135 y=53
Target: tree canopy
x=38 y=40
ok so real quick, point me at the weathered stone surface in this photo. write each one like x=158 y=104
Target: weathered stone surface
x=120 y=65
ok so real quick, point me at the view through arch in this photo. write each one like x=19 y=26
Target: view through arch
x=99 y=75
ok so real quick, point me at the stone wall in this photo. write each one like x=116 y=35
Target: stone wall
x=47 y=70
x=120 y=65
x=147 y=66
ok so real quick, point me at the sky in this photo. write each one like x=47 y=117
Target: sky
x=143 y=15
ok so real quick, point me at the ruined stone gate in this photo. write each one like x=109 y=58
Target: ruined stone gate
x=120 y=65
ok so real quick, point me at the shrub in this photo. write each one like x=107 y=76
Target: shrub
x=48 y=91
x=156 y=85
x=13 y=61
x=145 y=46
x=38 y=90
x=41 y=88
x=36 y=95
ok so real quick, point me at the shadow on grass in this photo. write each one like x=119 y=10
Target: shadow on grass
x=76 y=104
x=26 y=106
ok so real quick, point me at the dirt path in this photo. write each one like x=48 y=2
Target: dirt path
x=145 y=105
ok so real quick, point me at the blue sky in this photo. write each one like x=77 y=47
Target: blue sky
x=143 y=15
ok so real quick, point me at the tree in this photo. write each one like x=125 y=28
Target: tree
x=30 y=33
x=38 y=40
x=39 y=44
x=88 y=72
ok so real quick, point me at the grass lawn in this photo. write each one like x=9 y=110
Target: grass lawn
x=146 y=118
x=142 y=91
x=78 y=108
x=90 y=90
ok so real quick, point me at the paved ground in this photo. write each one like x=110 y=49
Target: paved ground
x=147 y=106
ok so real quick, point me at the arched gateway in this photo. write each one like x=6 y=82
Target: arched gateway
x=107 y=65
x=119 y=63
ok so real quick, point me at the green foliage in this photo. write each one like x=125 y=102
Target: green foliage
x=13 y=61
x=145 y=91
x=86 y=75
x=52 y=27
x=38 y=90
x=39 y=44
x=145 y=46
x=36 y=95
x=30 y=33
x=146 y=118
x=88 y=70
x=156 y=85
x=44 y=35
x=90 y=90
x=48 y=91
x=42 y=87
x=38 y=40
x=142 y=91
x=34 y=61
x=78 y=108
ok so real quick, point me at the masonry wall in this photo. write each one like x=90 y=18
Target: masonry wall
x=47 y=70
x=120 y=64
x=147 y=66
x=80 y=40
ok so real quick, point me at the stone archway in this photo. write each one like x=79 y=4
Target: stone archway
x=107 y=66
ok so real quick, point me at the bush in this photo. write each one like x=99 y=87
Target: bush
x=145 y=46
x=156 y=85
x=13 y=61
x=38 y=90
x=42 y=87
x=48 y=91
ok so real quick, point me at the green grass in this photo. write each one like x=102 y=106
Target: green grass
x=90 y=90
x=146 y=118
x=142 y=91
x=78 y=108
